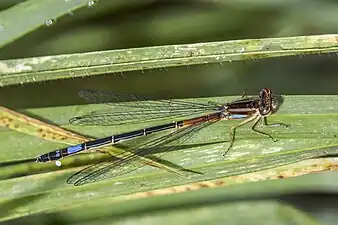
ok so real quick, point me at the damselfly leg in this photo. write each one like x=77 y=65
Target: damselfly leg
x=255 y=119
x=232 y=132
x=244 y=95
x=274 y=124
x=253 y=127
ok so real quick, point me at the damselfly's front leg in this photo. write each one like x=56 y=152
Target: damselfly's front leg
x=232 y=132
x=274 y=124
x=244 y=95
x=253 y=127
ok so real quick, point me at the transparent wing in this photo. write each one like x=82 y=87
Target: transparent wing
x=135 y=101
x=158 y=146
x=141 y=109
x=131 y=117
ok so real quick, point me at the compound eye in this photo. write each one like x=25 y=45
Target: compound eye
x=262 y=93
x=265 y=101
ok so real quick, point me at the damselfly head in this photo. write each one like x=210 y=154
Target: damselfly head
x=269 y=103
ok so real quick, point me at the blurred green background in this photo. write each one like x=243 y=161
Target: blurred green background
x=107 y=25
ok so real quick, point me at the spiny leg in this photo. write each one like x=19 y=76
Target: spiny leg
x=274 y=124
x=244 y=94
x=232 y=132
x=253 y=127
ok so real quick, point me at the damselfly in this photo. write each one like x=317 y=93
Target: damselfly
x=250 y=109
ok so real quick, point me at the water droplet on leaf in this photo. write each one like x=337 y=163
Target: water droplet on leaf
x=92 y=3
x=50 y=22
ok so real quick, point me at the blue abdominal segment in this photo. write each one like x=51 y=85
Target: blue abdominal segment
x=74 y=149
x=237 y=116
